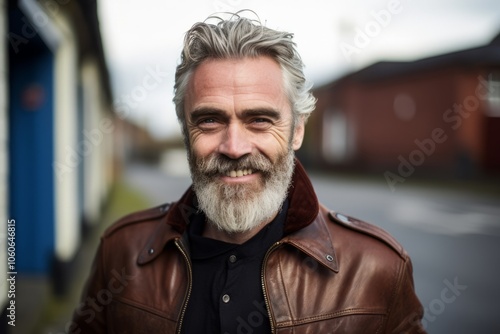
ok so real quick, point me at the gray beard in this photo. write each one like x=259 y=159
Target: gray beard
x=241 y=208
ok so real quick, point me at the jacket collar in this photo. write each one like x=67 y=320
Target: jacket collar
x=315 y=241
x=305 y=228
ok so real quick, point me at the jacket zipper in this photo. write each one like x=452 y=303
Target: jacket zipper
x=190 y=285
x=264 y=290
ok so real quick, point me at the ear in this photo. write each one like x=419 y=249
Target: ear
x=298 y=134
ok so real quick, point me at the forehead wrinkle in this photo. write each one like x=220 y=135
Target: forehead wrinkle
x=232 y=81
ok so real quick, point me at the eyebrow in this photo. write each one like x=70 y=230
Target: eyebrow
x=204 y=112
x=271 y=113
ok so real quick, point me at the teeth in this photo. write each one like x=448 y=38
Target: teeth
x=238 y=173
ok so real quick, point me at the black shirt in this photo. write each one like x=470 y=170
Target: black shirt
x=227 y=294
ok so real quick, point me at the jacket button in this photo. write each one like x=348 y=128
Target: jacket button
x=329 y=258
x=232 y=258
x=226 y=298
x=342 y=218
x=151 y=251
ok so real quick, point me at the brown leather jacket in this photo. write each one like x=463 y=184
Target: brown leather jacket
x=329 y=274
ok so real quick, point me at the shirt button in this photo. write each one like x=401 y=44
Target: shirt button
x=232 y=258
x=226 y=298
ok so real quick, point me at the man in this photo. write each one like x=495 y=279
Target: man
x=248 y=248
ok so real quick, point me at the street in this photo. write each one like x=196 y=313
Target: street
x=453 y=238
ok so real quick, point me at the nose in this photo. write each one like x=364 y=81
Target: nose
x=236 y=142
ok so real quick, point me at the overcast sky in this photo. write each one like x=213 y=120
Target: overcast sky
x=143 y=38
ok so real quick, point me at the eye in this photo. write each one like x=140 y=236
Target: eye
x=261 y=120
x=261 y=123
x=208 y=123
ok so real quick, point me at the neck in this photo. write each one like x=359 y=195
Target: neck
x=212 y=232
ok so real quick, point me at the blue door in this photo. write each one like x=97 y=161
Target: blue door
x=31 y=147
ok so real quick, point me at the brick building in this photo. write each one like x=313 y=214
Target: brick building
x=438 y=115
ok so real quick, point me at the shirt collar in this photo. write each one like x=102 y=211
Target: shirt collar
x=304 y=227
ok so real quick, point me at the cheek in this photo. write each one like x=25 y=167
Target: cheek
x=274 y=145
x=202 y=146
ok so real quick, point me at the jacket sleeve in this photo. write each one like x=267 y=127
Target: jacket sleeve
x=90 y=314
x=406 y=312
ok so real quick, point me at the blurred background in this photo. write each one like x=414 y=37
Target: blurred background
x=406 y=135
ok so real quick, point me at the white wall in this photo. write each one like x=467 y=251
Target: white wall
x=67 y=149
x=98 y=128
x=4 y=153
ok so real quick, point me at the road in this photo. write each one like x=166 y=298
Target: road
x=453 y=239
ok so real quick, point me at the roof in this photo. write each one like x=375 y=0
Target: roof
x=485 y=56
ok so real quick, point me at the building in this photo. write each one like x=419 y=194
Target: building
x=435 y=116
x=56 y=131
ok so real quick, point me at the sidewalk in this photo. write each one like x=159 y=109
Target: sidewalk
x=40 y=311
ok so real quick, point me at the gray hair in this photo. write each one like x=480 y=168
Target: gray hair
x=240 y=37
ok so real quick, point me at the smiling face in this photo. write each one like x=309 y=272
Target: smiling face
x=240 y=131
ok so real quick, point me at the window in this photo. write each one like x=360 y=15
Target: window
x=336 y=137
x=493 y=96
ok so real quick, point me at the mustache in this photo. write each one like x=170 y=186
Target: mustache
x=220 y=164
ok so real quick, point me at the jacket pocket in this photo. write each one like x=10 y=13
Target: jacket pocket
x=125 y=316
x=348 y=324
